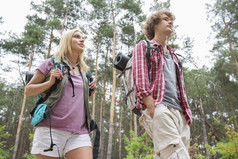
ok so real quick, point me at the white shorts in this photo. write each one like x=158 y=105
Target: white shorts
x=65 y=141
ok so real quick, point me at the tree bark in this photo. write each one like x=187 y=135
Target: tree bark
x=131 y=126
x=109 y=150
x=22 y=111
x=120 y=125
x=230 y=45
x=233 y=116
x=50 y=43
x=135 y=124
x=96 y=74
x=65 y=17
x=204 y=130
x=101 y=151
x=115 y=155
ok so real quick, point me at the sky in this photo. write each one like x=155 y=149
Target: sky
x=190 y=17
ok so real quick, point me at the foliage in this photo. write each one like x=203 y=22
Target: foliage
x=26 y=155
x=4 y=153
x=159 y=4
x=215 y=88
x=194 y=152
x=136 y=148
x=227 y=148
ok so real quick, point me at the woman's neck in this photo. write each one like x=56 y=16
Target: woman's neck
x=73 y=60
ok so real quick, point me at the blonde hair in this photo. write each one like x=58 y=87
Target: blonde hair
x=155 y=19
x=65 y=47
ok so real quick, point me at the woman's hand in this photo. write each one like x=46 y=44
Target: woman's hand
x=55 y=74
x=93 y=87
x=37 y=84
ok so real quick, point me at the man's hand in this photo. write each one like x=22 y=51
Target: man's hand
x=150 y=104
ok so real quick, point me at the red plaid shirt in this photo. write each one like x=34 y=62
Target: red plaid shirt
x=156 y=86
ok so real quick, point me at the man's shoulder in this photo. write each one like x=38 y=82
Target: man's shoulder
x=144 y=43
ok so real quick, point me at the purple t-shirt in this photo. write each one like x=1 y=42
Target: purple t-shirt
x=69 y=113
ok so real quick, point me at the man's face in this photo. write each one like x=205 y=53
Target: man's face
x=165 y=26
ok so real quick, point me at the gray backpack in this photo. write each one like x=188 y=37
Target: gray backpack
x=124 y=64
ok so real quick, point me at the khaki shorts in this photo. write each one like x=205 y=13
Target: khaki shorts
x=65 y=141
x=169 y=131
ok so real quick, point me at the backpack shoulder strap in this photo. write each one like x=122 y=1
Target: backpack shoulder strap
x=148 y=49
x=40 y=99
x=179 y=62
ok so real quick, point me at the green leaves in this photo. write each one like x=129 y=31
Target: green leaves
x=133 y=6
x=4 y=153
x=228 y=148
x=140 y=147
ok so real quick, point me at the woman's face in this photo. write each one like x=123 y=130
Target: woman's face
x=77 y=42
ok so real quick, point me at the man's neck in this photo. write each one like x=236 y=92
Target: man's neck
x=162 y=40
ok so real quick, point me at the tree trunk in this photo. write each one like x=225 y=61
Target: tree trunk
x=65 y=17
x=120 y=125
x=115 y=155
x=103 y=108
x=233 y=116
x=131 y=126
x=219 y=112
x=50 y=43
x=135 y=124
x=31 y=57
x=109 y=150
x=96 y=73
x=230 y=45
x=8 y=120
x=204 y=130
x=22 y=111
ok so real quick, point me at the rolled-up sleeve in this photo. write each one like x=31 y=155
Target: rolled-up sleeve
x=140 y=71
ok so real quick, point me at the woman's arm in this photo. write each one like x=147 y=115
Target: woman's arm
x=35 y=86
x=93 y=87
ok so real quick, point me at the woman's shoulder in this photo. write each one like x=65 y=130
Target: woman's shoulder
x=46 y=66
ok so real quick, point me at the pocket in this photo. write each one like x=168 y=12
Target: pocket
x=174 y=151
x=38 y=114
x=146 y=122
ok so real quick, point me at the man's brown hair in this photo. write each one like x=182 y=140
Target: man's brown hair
x=153 y=20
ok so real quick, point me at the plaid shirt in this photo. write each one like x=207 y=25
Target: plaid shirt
x=156 y=86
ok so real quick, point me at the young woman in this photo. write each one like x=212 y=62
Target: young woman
x=70 y=117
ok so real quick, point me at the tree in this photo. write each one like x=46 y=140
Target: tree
x=109 y=150
x=225 y=17
x=99 y=14
x=4 y=153
x=227 y=148
x=56 y=11
x=32 y=37
x=132 y=18
x=160 y=5
x=136 y=148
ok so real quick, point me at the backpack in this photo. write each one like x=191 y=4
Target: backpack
x=124 y=64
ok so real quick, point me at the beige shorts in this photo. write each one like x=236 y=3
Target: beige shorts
x=169 y=131
x=65 y=141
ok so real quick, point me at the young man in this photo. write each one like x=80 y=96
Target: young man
x=166 y=115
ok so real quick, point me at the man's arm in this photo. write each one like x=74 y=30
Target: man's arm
x=150 y=104
x=140 y=77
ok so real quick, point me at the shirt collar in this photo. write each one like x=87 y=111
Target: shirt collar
x=155 y=43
